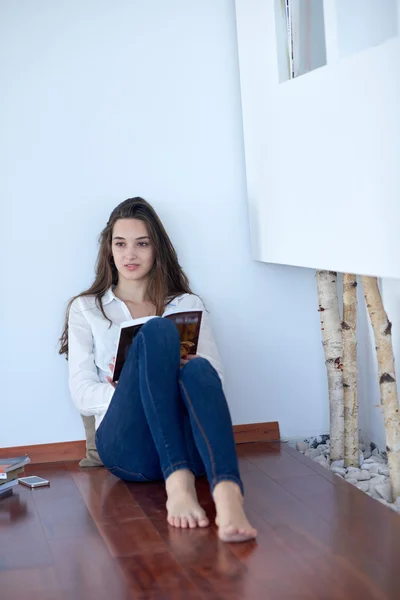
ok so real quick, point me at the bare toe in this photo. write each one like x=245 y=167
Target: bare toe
x=192 y=522
x=235 y=534
x=184 y=523
x=203 y=522
x=231 y=519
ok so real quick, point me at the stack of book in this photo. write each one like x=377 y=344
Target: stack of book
x=10 y=470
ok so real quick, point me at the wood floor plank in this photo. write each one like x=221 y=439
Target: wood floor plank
x=23 y=544
x=82 y=562
x=106 y=497
x=325 y=547
x=60 y=507
x=86 y=570
x=311 y=464
x=35 y=584
x=275 y=464
x=91 y=536
x=158 y=577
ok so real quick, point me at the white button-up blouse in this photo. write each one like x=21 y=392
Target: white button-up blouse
x=93 y=343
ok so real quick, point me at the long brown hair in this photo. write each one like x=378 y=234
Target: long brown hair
x=166 y=279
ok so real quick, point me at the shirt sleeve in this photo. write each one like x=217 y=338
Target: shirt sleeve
x=89 y=394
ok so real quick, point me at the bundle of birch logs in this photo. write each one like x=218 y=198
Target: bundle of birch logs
x=340 y=348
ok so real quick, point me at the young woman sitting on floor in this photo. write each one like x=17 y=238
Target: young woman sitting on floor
x=167 y=417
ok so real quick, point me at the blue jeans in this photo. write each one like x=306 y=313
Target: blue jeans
x=163 y=418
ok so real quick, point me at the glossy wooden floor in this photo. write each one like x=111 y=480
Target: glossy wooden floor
x=90 y=536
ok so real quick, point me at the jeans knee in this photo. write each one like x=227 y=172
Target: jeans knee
x=160 y=334
x=159 y=326
x=200 y=369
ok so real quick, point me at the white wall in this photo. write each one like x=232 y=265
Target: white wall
x=102 y=101
x=364 y=23
x=322 y=150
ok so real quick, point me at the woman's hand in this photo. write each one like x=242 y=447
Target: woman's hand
x=112 y=367
x=188 y=358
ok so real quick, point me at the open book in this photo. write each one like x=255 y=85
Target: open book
x=188 y=324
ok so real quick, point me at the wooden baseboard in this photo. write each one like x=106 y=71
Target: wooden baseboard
x=48 y=453
x=257 y=432
x=64 y=451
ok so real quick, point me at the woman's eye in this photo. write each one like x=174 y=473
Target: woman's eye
x=120 y=244
x=143 y=244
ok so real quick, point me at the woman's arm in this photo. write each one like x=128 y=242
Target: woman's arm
x=89 y=394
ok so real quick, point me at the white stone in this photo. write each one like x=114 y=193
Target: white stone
x=302 y=446
x=367 y=454
x=362 y=447
x=384 y=471
x=374 y=460
x=321 y=460
x=382 y=501
x=352 y=480
x=372 y=485
x=362 y=485
x=364 y=476
x=338 y=463
x=374 y=494
x=377 y=480
x=339 y=471
x=322 y=448
x=372 y=468
x=361 y=458
x=379 y=460
x=311 y=453
x=384 y=491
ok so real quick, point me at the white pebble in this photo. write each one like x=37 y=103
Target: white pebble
x=362 y=485
x=352 y=480
x=311 y=453
x=372 y=468
x=338 y=463
x=339 y=471
x=384 y=471
x=384 y=491
x=364 y=476
x=321 y=460
x=302 y=446
x=322 y=448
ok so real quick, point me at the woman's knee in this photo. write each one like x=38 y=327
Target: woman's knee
x=201 y=370
x=160 y=328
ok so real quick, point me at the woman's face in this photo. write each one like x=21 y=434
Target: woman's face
x=132 y=250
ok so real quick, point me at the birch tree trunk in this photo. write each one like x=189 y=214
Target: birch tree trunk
x=349 y=324
x=387 y=378
x=332 y=344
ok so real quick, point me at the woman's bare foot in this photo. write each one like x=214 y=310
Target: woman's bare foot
x=183 y=506
x=233 y=525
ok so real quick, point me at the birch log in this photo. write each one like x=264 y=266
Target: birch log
x=332 y=344
x=387 y=378
x=349 y=324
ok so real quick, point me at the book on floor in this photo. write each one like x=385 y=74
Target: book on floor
x=11 y=475
x=5 y=487
x=187 y=322
x=8 y=465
